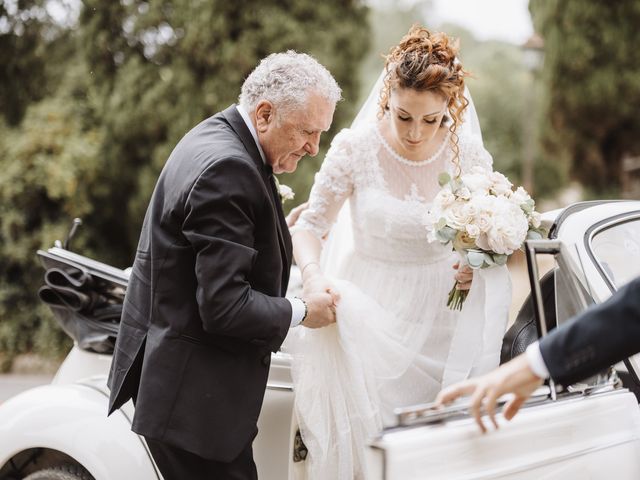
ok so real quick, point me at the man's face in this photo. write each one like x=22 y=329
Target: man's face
x=287 y=136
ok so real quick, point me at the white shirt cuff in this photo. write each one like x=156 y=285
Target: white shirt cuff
x=297 y=311
x=536 y=362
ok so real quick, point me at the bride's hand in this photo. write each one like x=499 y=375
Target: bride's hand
x=294 y=214
x=464 y=276
x=315 y=282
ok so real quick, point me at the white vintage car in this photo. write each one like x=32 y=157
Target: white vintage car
x=592 y=430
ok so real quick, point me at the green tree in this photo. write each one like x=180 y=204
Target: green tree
x=31 y=45
x=508 y=98
x=175 y=63
x=127 y=80
x=592 y=76
x=48 y=169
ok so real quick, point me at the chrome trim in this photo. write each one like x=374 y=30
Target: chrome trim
x=281 y=387
x=429 y=413
x=588 y=239
x=532 y=248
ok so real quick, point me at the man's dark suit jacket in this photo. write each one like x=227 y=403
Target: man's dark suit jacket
x=599 y=337
x=204 y=306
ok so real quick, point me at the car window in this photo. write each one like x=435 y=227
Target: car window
x=617 y=250
x=571 y=297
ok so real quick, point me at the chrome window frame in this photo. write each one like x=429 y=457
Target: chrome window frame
x=589 y=235
x=600 y=227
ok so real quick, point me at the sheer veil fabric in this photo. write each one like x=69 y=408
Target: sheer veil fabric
x=395 y=343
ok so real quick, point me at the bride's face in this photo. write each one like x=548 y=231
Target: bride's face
x=415 y=118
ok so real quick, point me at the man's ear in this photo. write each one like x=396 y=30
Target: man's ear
x=264 y=115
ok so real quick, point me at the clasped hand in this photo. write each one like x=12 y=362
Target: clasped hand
x=321 y=298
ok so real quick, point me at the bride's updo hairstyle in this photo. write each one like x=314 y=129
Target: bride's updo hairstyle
x=426 y=61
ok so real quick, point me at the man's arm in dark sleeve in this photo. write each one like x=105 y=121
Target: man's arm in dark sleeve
x=220 y=222
x=601 y=336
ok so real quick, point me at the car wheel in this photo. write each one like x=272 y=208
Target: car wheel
x=62 y=472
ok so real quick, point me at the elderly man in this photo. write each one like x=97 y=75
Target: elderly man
x=205 y=303
x=599 y=337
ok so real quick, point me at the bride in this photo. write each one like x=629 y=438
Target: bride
x=395 y=343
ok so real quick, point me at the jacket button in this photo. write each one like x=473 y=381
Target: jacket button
x=266 y=359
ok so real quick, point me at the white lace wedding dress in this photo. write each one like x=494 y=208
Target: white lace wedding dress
x=395 y=342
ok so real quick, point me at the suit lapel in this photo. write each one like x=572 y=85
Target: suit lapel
x=284 y=239
x=283 y=231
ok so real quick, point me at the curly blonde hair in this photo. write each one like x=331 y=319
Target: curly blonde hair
x=426 y=61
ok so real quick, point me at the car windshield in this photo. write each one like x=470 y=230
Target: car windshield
x=617 y=250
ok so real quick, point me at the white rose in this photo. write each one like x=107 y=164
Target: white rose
x=444 y=197
x=500 y=185
x=286 y=192
x=472 y=230
x=483 y=242
x=478 y=170
x=483 y=221
x=463 y=193
x=484 y=208
x=535 y=219
x=471 y=208
x=509 y=227
x=457 y=216
x=477 y=182
x=520 y=196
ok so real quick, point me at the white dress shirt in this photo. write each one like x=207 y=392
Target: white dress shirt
x=536 y=362
x=297 y=306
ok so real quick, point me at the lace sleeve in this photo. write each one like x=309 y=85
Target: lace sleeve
x=333 y=184
x=473 y=153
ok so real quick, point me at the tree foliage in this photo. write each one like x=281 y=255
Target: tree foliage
x=592 y=76
x=91 y=111
x=507 y=97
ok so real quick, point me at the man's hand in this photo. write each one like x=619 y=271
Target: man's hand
x=514 y=377
x=321 y=310
x=464 y=276
x=294 y=214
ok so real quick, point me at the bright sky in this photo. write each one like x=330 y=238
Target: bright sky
x=507 y=20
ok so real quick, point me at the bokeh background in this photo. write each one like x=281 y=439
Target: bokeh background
x=95 y=94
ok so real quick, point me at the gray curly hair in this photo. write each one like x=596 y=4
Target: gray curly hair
x=285 y=79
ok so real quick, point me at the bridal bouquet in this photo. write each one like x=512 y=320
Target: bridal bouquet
x=483 y=218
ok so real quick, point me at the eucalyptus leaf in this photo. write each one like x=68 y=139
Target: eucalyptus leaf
x=488 y=259
x=446 y=234
x=475 y=259
x=443 y=179
x=500 y=258
x=534 y=235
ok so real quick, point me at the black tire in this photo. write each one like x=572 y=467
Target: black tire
x=62 y=472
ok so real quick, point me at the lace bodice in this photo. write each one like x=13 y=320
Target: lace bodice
x=389 y=195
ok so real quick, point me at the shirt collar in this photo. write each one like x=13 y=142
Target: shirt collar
x=254 y=134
